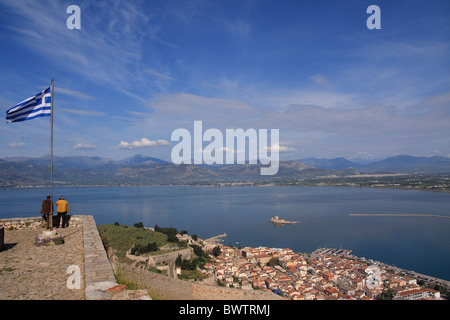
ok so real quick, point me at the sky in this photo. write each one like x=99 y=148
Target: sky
x=138 y=70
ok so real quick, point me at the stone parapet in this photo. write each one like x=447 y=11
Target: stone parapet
x=164 y=288
x=2 y=238
x=99 y=275
x=36 y=222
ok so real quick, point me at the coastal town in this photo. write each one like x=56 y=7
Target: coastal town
x=325 y=274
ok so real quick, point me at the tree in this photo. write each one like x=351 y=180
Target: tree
x=139 y=249
x=273 y=262
x=139 y=225
x=386 y=295
x=216 y=251
x=197 y=250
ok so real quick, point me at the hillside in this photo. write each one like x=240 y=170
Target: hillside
x=396 y=164
x=140 y=170
x=143 y=170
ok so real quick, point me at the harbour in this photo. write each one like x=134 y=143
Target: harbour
x=419 y=244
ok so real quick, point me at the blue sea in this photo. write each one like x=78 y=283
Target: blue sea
x=421 y=244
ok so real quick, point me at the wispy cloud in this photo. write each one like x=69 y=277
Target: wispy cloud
x=214 y=111
x=73 y=93
x=320 y=79
x=84 y=112
x=143 y=143
x=16 y=144
x=84 y=146
x=159 y=75
x=91 y=52
x=279 y=148
x=238 y=28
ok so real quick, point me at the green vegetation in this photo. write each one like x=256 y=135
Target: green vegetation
x=140 y=240
x=170 y=232
x=273 y=262
x=443 y=290
x=7 y=270
x=191 y=264
x=139 y=225
x=386 y=295
x=122 y=238
x=139 y=249
x=191 y=275
x=216 y=251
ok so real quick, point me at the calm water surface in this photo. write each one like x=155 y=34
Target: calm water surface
x=421 y=244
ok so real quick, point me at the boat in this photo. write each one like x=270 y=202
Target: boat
x=278 y=220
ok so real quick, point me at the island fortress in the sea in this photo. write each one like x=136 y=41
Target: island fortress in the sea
x=279 y=220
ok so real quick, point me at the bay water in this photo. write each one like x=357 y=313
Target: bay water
x=421 y=244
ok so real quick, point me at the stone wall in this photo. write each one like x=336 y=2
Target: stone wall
x=35 y=222
x=2 y=237
x=160 y=259
x=165 y=288
x=166 y=258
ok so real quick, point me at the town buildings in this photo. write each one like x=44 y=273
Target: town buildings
x=318 y=276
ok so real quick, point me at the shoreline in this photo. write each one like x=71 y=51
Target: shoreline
x=228 y=184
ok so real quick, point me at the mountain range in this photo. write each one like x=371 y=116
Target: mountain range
x=139 y=169
x=396 y=164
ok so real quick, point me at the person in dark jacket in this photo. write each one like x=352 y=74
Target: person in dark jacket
x=47 y=210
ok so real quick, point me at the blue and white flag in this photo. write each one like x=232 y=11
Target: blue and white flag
x=39 y=105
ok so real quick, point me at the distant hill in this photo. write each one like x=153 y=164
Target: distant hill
x=63 y=162
x=143 y=170
x=396 y=164
x=337 y=163
x=139 y=159
x=409 y=164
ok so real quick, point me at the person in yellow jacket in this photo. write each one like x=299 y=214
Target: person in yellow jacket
x=63 y=210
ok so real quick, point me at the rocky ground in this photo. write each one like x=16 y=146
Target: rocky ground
x=30 y=272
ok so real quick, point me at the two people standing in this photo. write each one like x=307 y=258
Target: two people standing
x=63 y=209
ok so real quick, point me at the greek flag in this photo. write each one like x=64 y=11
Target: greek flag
x=39 y=105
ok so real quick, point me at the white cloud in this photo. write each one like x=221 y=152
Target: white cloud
x=320 y=79
x=16 y=144
x=72 y=93
x=84 y=112
x=214 y=112
x=279 y=148
x=84 y=146
x=237 y=28
x=143 y=143
x=159 y=75
x=96 y=52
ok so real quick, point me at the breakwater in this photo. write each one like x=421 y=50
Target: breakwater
x=396 y=215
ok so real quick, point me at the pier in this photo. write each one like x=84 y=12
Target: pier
x=396 y=215
x=216 y=238
x=332 y=252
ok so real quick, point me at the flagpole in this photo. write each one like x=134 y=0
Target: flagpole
x=51 y=158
